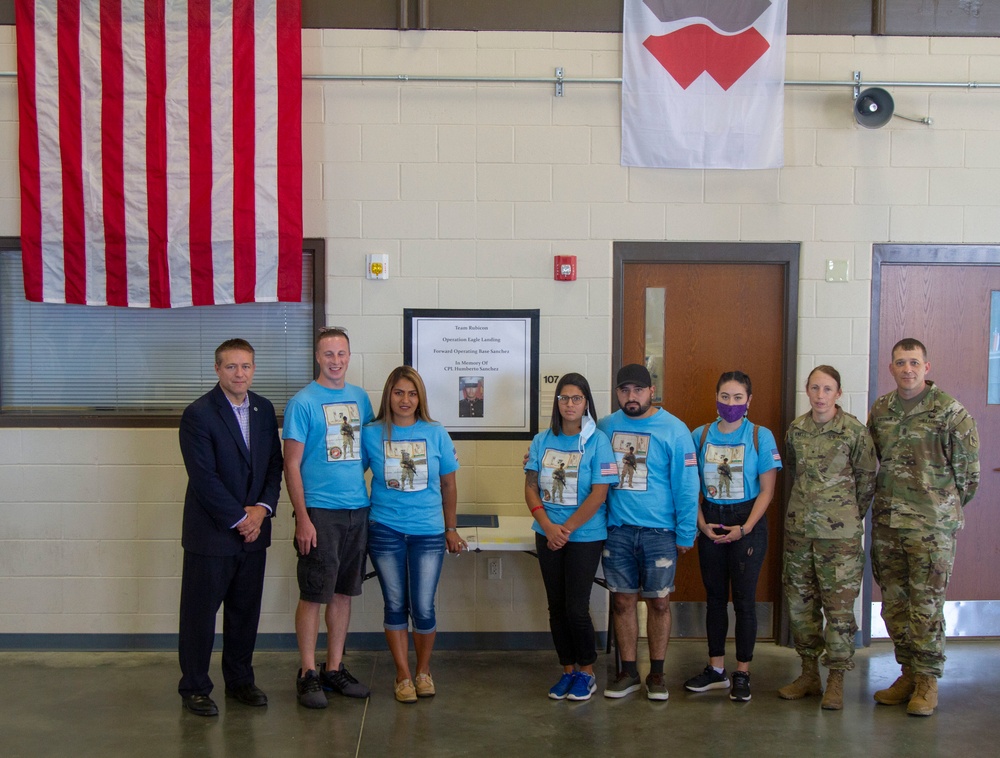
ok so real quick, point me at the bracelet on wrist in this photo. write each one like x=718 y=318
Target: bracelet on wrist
x=537 y=508
x=451 y=528
x=742 y=533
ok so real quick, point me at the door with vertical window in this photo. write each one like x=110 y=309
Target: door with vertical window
x=949 y=299
x=690 y=311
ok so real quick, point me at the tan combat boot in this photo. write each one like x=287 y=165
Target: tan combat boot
x=833 y=698
x=899 y=691
x=808 y=682
x=924 y=699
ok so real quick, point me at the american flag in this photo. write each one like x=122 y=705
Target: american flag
x=609 y=469
x=776 y=455
x=690 y=459
x=160 y=151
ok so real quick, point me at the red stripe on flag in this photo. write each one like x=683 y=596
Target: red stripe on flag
x=200 y=131
x=156 y=153
x=71 y=149
x=289 y=32
x=31 y=209
x=112 y=145
x=244 y=127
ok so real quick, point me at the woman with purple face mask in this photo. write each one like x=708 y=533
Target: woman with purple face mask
x=738 y=462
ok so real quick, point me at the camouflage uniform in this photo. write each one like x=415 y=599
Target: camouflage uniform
x=833 y=474
x=929 y=471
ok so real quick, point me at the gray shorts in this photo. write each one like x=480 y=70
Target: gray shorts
x=337 y=564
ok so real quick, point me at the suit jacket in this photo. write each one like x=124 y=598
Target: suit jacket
x=223 y=476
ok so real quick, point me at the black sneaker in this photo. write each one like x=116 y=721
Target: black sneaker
x=741 y=686
x=709 y=679
x=310 y=691
x=341 y=681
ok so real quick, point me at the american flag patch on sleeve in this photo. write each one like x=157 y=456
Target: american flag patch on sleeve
x=609 y=469
x=690 y=459
x=776 y=455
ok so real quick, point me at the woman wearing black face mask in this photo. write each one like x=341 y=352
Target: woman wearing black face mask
x=738 y=462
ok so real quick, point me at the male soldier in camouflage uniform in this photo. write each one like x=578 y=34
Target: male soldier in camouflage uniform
x=928 y=450
x=831 y=459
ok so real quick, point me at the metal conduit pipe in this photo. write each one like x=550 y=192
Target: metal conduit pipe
x=617 y=80
x=606 y=80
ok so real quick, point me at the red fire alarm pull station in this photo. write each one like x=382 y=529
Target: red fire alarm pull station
x=565 y=268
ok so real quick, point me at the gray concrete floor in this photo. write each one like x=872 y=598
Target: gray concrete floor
x=489 y=703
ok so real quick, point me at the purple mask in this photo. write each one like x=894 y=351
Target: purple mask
x=731 y=413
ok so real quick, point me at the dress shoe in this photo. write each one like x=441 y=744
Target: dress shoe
x=248 y=694
x=200 y=705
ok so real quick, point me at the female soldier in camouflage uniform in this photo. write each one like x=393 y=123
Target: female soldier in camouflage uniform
x=831 y=458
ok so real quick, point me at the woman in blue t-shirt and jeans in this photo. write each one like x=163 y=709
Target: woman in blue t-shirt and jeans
x=738 y=462
x=412 y=521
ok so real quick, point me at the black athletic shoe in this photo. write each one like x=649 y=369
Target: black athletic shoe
x=709 y=679
x=341 y=681
x=741 y=686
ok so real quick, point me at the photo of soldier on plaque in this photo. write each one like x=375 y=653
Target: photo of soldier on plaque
x=470 y=404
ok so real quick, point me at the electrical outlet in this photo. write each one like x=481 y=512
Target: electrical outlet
x=494 y=569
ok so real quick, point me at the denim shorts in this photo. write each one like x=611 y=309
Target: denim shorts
x=408 y=568
x=337 y=564
x=640 y=560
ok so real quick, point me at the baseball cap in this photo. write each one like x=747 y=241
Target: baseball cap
x=633 y=373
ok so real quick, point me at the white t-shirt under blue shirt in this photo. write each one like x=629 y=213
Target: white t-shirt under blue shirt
x=730 y=466
x=566 y=476
x=328 y=422
x=657 y=474
x=406 y=475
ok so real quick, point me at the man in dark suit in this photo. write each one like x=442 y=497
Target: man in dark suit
x=229 y=440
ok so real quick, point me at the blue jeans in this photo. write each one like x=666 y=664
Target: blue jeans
x=408 y=568
x=733 y=566
x=640 y=560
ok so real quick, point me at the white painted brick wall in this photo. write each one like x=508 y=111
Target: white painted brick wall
x=471 y=189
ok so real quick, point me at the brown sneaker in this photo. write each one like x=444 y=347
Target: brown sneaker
x=899 y=691
x=405 y=692
x=925 y=695
x=425 y=686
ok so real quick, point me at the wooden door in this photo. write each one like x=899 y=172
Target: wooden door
x=947 y=307
x=717 y=316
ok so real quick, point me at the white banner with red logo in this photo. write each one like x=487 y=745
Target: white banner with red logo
x=703 y=83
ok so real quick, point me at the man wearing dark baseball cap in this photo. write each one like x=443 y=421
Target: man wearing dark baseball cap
x=635 y=374
x=652 y=515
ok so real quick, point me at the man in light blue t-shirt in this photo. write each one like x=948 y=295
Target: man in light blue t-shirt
x=326 y=484
x=652 y=516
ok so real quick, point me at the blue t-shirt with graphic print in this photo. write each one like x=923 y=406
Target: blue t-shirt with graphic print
x=566 y=477
x=657 y=474
x=328 y=422
x=406 y=475
x=730 y=466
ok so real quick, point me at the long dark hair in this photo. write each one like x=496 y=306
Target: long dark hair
x=385 y=407
x=577 y=380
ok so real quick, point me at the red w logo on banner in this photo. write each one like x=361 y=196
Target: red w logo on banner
x=689 y=51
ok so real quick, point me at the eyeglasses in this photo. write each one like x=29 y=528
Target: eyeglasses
x=571 y=399
x=326 y=329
